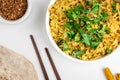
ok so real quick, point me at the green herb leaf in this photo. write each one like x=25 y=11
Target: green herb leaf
x=76 y=25
x=85 y=19
x=102 y=31
x=78 y=53
x=94 y=44
x=65 y=46
x=70 y=34
x=88 y=2
x=114 y=11
x=100 y=36
x=96 y=20
x=104 y=16
x=68 y=25
x=108 y=50
x=113 y=4
x=75 y=13
x=71 y=14
x=114 y=8
x=85 y=39
x=107 y=30
x=88 y=27
x=77 y=37
x=81 y=31
x=78 y=9
x=95 y=7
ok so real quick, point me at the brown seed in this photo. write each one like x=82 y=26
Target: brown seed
x=13 y=9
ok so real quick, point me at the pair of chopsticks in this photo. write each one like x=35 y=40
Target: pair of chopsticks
x=41 y=62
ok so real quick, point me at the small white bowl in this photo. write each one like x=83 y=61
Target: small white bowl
x=20 y=19
x=61 y=52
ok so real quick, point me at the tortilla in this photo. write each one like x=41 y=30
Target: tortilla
x=15 y=67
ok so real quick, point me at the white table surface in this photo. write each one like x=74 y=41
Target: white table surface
x=16 y=37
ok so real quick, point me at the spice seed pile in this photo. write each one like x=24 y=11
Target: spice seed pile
x=13 y=9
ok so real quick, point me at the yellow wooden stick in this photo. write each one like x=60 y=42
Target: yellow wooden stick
x=108 y=74
x=118 y=76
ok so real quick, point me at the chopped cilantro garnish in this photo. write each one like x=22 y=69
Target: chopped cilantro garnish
x=88 y=27
x=108 y=50
x=88 y=2
x=65 y=46
x=71 y=25
x=70 y=34
x=94 y=44
x=71 y=14
x=78 y=53
x=85 y=39
x=113 y=4
x=85 y=19
x=78 y=9
x=80 y=25
x=75 y=13
x=114 y=11
x=104 y=16
x=114 y=8
x=107 y=30
x=95 y=7
x=77 y=37
x=102 y=31
x=68 y=25
x=96 y=20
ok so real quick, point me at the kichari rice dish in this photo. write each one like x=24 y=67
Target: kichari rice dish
x=85 y=29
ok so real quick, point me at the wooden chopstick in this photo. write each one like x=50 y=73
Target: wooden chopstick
x=52 y=64
x=39 y=58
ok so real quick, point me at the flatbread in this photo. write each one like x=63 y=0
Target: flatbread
x=15 y=67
